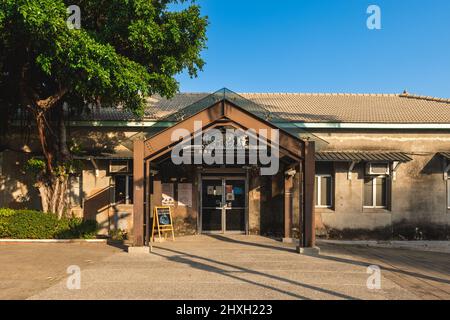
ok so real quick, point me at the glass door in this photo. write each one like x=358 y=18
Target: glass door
x=223 y=204
x=212 y=205
x=235 y=198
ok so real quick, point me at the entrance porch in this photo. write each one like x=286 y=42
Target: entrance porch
x=221 y=197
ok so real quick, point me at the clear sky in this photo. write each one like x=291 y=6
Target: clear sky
x=325 y=46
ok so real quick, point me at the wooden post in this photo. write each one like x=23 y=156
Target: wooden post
x=301 y=208
x=138 y=196
x=148 y=204
x=288 y=210
x=309 y=173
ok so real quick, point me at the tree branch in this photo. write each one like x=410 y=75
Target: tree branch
x=49 y=102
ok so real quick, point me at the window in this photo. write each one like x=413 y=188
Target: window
x=375 y=192
x=123 y=189
x=119 y=166
x=324 y=191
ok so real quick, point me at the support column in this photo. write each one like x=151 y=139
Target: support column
x=138 y=196
x=288 y=207
x=148 y=204
x=307 y=225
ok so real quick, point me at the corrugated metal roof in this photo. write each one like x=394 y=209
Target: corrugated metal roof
x=309 y=108
x=446 y=155
x=358 y=156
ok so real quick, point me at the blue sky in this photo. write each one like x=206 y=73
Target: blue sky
x=325 y=46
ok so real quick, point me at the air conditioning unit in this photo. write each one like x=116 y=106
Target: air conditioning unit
x=377 y=168
x=119 y=166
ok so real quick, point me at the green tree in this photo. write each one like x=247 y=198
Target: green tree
x=124 y=51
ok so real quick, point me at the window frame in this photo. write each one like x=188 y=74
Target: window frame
x=374 y=192
x=128 y=177
x=318 y=184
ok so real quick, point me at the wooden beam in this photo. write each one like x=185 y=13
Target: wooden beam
x=163 y=139
x=138 y=196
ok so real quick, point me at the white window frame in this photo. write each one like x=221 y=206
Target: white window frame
x=127 y=188
x=374 y=192
x=318 y=186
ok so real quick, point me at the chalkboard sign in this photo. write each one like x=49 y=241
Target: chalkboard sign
x=164 y=217
x=162 y=222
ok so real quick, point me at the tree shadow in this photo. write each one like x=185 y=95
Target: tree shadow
x=252 y=244
x=383 y=259
x=332 y=258
x=222 y=271
x=117 y=244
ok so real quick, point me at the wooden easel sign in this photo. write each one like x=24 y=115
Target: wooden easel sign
x=162 y=222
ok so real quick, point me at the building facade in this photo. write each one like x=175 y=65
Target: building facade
x=379 y=167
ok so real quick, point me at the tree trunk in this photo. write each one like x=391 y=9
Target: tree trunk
x=53 y=184
x=53 y=192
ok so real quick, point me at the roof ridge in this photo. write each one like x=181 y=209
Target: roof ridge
x=322 y=94
x=334 y=94
x=420 y=97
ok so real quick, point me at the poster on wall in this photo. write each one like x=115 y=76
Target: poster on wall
x=185 y=194
x=167 y=194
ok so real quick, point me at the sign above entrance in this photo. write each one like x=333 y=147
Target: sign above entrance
x=227 y=145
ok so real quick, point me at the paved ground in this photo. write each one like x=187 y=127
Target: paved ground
x=426 y=274
x=434 y=246
x=27 y=269
x=236 y=267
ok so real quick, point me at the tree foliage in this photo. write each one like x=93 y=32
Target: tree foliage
x=125 y=51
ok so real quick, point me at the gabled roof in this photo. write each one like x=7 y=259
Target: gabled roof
x=218 y=110
x=310 y=108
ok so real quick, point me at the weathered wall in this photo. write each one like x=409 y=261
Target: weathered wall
x=418 y=192
x=254 y=203
x=16 y=186
x=185 y=217
x=98 y=195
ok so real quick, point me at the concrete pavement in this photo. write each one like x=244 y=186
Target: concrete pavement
x=27 y=269
x=231 y=267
